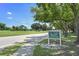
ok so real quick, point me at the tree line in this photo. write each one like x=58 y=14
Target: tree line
x=34 y=26
x=13 y=28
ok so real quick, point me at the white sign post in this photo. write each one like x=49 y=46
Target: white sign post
x=54 y=35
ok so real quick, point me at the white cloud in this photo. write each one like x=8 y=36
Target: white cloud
x=9 y=17
x=9 y=13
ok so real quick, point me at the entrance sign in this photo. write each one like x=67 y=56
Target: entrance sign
x=54 y=35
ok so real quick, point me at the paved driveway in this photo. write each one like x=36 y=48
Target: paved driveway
x=6 y=41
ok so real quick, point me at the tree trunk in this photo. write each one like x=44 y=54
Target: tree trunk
x=75 y=9
x=77 y=30
x=65 y=33
x=65 y=28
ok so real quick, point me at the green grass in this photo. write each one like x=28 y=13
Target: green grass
x=70 y=50
x=45 y=41
x=39 y=51
x=14 y=33
x=10 y=50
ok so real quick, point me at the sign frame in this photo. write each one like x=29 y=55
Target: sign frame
x=54 y=38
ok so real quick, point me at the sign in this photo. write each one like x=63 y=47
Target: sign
x=54 y=35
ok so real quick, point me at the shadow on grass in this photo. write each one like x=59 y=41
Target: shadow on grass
x=70 y=50
x=10 y=50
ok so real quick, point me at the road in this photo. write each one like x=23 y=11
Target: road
x=6 y=41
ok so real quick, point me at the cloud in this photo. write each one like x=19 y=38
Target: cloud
x=9 y=13
x=9 y=17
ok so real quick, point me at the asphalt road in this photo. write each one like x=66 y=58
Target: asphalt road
x=10 y=40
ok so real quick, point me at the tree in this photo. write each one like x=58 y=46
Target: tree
x=13 y=28
x=22 y=27
x=36 y=26
x=67 y=14
x=7 y=28
x=54 y=13
x=43 y=12
x=75 y=9
x=19 y=28
x=2 y=26
x=44 y=27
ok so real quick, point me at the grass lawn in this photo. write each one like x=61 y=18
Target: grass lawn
x=10 y=50
x=39 y=51
x=70 y=50
x=14 y=33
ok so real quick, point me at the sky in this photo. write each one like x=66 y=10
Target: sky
x=16 y=14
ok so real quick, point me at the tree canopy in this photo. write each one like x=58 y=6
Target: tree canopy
x=64 y=16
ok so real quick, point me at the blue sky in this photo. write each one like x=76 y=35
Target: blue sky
x=16 y=13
